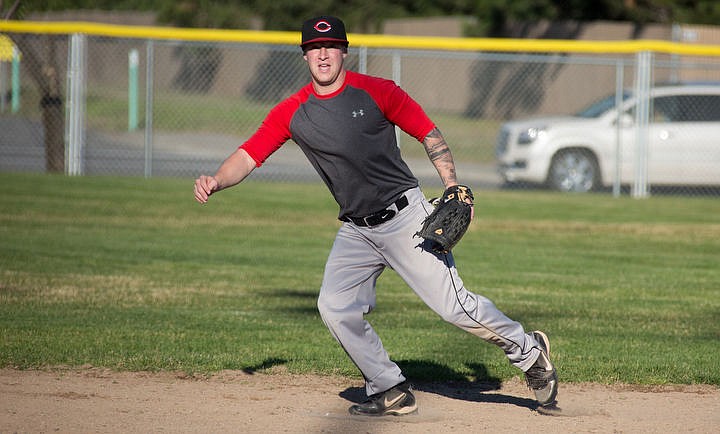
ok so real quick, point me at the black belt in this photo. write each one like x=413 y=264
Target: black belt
x=381 y=216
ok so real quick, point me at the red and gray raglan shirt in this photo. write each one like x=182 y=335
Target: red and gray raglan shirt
x=349 y=138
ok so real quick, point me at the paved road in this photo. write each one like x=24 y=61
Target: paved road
x=187 y=155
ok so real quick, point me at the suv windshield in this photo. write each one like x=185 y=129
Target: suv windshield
x=599 y=107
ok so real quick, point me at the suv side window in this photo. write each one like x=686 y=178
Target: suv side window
x=664 y=109
x=699 y=108
x=687 y=108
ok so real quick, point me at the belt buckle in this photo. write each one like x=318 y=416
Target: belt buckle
x=381 y=217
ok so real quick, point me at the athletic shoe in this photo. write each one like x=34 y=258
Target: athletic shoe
x=396 y=401
x=542 y=377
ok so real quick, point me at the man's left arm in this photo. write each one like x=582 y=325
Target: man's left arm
x=439 y=153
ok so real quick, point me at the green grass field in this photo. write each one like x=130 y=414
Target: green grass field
x=132 y=274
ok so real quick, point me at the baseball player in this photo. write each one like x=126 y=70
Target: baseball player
x=344 y=123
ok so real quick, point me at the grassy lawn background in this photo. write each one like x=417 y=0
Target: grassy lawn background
x=132 y=274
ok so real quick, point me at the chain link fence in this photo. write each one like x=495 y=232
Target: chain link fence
x=86 y=104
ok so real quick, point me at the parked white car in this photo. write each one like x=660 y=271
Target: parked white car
x=579 y=153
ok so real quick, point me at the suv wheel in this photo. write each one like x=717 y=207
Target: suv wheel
x=574 y=171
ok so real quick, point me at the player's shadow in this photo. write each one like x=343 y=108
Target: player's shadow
x=431 y=377
x=264 y=365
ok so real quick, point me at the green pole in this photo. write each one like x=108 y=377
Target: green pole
x=133 y=61
x=15 y=98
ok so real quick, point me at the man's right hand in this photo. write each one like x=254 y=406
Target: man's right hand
x=204 y=187
x=232 y=171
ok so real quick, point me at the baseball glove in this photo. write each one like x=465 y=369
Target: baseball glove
x=446 y=225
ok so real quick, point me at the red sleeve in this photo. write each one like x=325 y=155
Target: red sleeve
x=398 y=107
x=274 y=130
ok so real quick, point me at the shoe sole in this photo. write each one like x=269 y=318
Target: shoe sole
x=399 y=412
x=546 y=344
x=545 y=341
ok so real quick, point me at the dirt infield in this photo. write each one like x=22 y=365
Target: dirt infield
x=101 y=401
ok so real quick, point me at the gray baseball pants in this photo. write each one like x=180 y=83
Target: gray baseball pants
x=358 y=257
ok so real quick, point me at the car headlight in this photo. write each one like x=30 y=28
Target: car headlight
x=530 y=135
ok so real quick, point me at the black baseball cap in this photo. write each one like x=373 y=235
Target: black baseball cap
x=324 y=28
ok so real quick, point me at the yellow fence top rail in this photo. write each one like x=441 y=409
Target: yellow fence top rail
x=374 y=41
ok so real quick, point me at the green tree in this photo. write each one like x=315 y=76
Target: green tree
x=367 y=15
x=42 y=63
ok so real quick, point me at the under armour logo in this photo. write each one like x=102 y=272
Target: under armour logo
x=358 y=113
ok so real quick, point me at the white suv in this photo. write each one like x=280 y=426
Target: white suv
x=579 y=153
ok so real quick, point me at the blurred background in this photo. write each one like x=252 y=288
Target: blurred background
x=85 y=104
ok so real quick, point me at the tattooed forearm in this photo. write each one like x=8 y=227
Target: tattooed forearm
x=440 y=156
x=435 y=145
